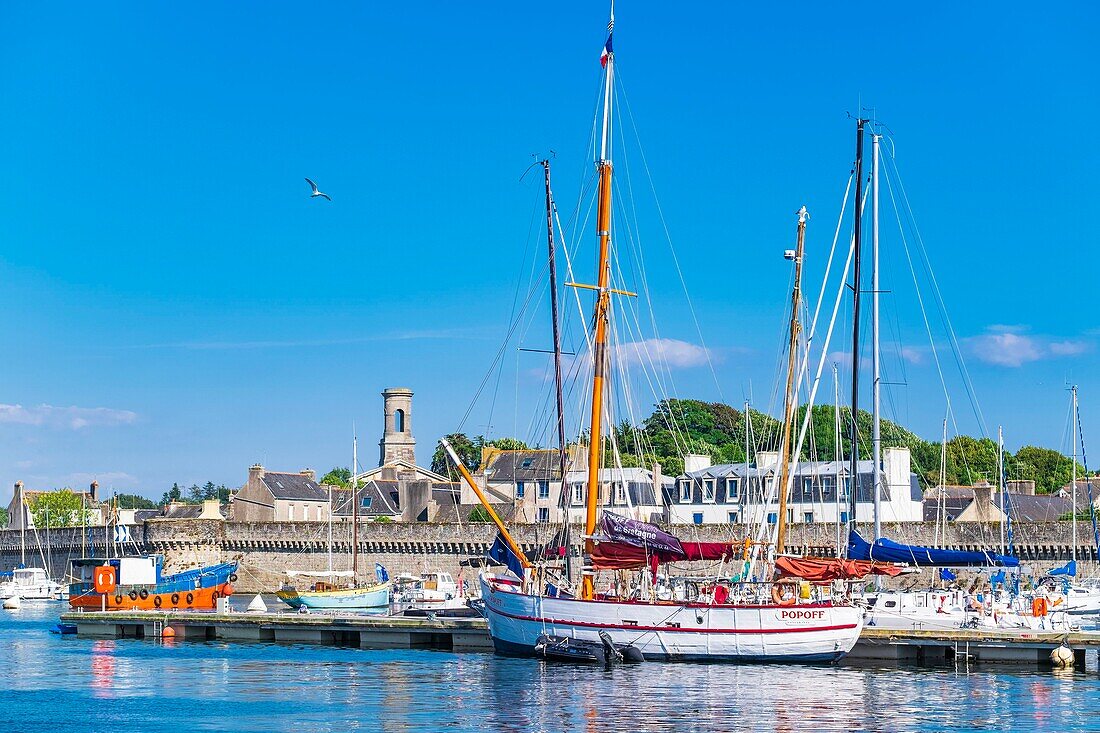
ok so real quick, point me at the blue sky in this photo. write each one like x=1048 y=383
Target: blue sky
x=176 y=308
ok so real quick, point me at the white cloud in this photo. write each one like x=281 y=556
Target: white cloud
x=73 y=418
x=1012 y=346
x=914 y=354
x=1068 y=348
x=670 y=352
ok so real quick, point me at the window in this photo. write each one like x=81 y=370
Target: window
x=620 y=493
x=578 y=494
x=526 y=463
x=290 y=512
x=697 y=518
x=544 y=514
x=773 y=517
x=366 y=501
x=807 y=489
x=519 y=489
x=685 y=491
x=399 y=421
x=808 y=517
x=733 y=489
x=732 y=517
x=708 y=490
x=544 y=489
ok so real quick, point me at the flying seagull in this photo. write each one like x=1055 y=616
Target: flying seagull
x=316 y=193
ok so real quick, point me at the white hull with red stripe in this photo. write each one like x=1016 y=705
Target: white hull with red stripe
x=812 y=632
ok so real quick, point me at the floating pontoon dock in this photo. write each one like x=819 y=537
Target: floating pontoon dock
x=470 y=634
x=377 y=632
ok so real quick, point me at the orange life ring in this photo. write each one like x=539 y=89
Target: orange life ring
x=777 y=595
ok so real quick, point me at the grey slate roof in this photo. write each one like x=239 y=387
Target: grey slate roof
x=294 y=486
x=383 y=498
x=1023 y=507
x=1040 y=507
x=525 y=465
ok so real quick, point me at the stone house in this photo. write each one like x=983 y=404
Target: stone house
x=20 y=516
x=982 y=503
x=271 y=496
x=738 y=493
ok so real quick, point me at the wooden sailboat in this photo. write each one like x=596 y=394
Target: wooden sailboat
x=734 y=622
x=328 y=592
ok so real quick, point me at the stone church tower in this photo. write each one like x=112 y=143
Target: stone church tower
x=397 y=441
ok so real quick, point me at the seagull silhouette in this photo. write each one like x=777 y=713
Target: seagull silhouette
x=316 y=193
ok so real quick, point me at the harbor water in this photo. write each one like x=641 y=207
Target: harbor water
x=73 y=684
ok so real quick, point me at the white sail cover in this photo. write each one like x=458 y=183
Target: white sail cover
x=320 y=573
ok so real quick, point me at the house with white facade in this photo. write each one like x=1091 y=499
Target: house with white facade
x=745 y=493
x=637 y=493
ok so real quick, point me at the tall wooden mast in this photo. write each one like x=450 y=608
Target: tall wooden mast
x=857 y=286
x=564 y=499
x=785 y=450
x=603 y=303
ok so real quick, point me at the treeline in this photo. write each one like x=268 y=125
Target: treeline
x=194 y=494
x=677 y=427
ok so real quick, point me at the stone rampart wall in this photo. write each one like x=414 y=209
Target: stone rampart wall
x=266 y=551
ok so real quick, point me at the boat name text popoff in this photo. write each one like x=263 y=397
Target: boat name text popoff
x=800 y=614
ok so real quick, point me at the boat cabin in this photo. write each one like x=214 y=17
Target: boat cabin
x=144 y=570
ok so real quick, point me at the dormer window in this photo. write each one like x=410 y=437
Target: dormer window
x=708 y=490
x=578 y=494
x=620 y=493
x=526 y=463
x=685 y=491
x=733 y=489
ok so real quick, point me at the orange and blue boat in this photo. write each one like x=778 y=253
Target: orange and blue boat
x=137 y=583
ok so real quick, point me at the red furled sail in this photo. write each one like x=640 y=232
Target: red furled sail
x=824 y=569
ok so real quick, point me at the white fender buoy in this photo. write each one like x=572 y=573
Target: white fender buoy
x=13 y=604
x=257 y=605
x=1061 y=657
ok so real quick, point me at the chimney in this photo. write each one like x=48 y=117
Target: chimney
x=696 y=462
x=255 y=472
x=1021 y=486
x=92 y=498
x=310 y=474
x=658 y=482
x=983 y=499
x=211 y=510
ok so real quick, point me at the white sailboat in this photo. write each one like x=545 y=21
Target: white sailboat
x=29 y=584
x=737 y=622
x=329 y=591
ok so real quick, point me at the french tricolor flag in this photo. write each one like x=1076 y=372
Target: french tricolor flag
x=607 y=52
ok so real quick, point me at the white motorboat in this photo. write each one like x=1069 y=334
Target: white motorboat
x=31 y=584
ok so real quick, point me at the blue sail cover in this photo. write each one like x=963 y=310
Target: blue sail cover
x=884 y=550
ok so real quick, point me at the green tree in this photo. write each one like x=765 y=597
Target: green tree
x=507 y=444
x=479 y=514
x=338 y=476
x=4 y=517
x=1049 y=469
x=469 y=452
x=173 y=494
x=133 y=501
x=57 y=509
